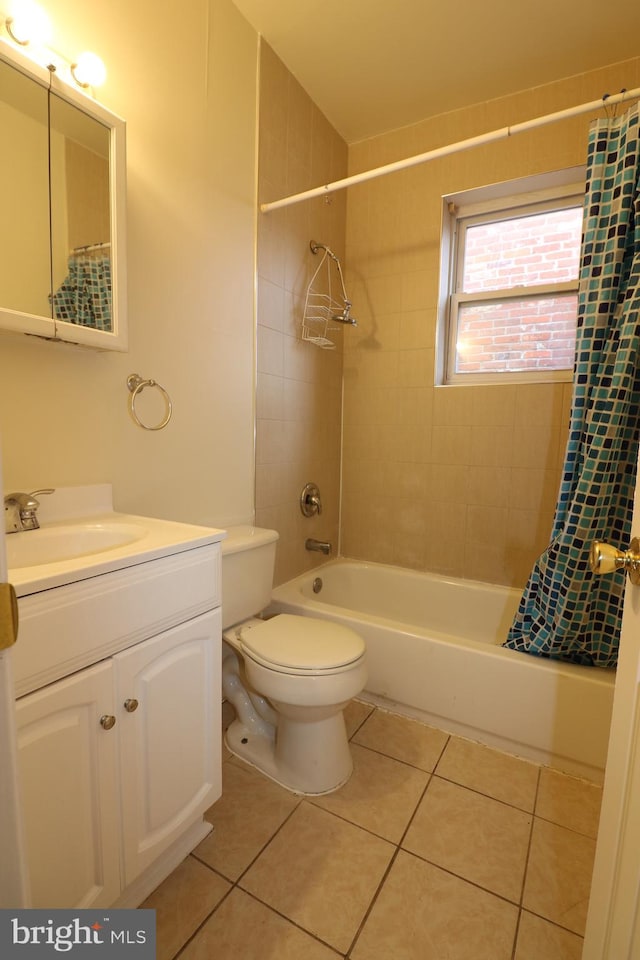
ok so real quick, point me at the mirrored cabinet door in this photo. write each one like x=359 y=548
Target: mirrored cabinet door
x=62 y=244
x=80 y=218
x=25 y=243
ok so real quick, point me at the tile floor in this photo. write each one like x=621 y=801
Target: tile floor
x=436 y=848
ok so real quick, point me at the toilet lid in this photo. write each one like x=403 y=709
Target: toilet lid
x=302 y=643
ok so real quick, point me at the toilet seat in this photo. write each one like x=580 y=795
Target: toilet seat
x=301 y=645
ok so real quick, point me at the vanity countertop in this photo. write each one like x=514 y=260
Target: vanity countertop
x=151 y=539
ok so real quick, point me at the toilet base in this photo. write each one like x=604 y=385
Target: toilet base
x=306 y=758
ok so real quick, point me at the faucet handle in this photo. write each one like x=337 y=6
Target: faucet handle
x=38 y=493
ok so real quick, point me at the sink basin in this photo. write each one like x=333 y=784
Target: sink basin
x=67 y=541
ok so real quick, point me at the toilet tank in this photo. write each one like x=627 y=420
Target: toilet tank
x=248 y=561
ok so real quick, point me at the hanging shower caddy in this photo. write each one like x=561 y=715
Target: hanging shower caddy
x=323 y=311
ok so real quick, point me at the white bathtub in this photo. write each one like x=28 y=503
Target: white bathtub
x=434 y=652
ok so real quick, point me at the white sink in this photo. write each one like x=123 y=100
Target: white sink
x=81 y=536
x=68 y=541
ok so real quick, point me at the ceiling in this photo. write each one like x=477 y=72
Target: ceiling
x=373 y=66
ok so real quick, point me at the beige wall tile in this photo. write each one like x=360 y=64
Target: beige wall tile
x=269 y=397
x=489 y=486
x=512 y=437
x=452 y=445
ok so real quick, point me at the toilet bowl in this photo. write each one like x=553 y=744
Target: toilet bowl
x=288 y=677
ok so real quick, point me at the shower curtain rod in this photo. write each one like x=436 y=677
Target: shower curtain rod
x=500 y=134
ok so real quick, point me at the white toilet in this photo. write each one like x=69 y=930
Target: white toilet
x=288 y=677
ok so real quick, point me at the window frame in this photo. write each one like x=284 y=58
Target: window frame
x=498 y=203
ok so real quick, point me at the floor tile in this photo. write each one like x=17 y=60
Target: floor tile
x=491 y=772
x=243 y=929
x=355 y=713
x=474 y=836
x=182 y=902
x=402 y=739
x=424 y=913
x=381 y=795
x=244 y=819
x=540 y=940
x=320 y=872
x=569 y=802
x=559 y=875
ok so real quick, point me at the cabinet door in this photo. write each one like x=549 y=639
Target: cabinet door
x=67 y=764
x=170 y=741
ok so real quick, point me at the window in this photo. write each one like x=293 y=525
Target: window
x=509 y=282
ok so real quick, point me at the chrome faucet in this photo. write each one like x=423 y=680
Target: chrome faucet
x=20 y=511
x=322 y=546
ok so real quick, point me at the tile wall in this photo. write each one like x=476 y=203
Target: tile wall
x=458 y=480
x=299 y=385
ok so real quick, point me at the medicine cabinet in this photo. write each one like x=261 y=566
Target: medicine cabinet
x=62 y=211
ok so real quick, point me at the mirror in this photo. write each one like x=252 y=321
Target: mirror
x=62 y=271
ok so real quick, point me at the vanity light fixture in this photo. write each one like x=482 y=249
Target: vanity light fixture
x=28 y=24
x=89 y=71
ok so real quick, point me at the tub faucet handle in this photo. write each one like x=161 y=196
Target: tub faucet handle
x=310 y=502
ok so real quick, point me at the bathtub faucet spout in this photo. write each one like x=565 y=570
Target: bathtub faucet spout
x=322 y=546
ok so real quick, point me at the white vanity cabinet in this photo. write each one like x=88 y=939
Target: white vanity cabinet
x=169 y=757
x=68 y=768
x=119 y=759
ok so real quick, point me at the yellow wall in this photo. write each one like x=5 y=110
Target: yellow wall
x=185 y=81
x=458 y=480
x=299 y=387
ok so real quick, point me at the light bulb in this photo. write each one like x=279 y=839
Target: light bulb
x=28 y=23
x=89 y=70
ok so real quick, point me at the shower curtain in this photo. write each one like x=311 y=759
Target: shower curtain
x=84 y=296
x=566 y=612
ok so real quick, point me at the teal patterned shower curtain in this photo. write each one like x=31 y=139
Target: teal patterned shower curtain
x=566 y=612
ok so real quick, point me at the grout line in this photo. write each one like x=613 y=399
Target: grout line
x=487 y=796
x=235 y=884
x=206 y=919
x=388 y=756
x=388 y=870
x=526 y=863
x=283 y=916
x=373 y=901
x=459 y=876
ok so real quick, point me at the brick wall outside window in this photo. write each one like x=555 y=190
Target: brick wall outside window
x=531 y=333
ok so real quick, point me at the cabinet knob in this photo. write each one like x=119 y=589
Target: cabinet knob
x=131 y=705
x=107 y=721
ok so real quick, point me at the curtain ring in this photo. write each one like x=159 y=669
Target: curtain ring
x=136 y=385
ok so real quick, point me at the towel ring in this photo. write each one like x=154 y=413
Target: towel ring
x=136 y=385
